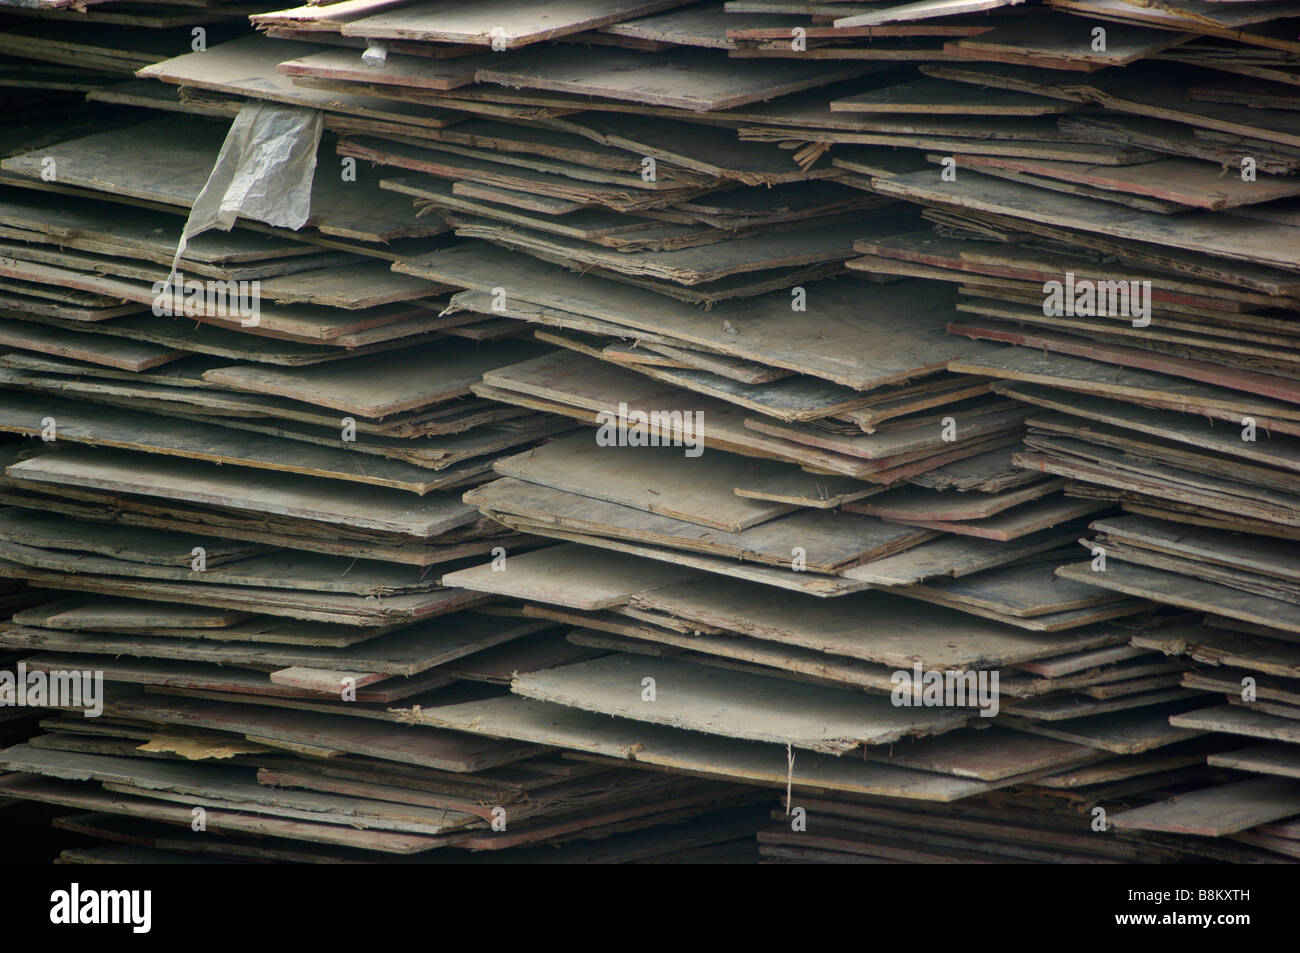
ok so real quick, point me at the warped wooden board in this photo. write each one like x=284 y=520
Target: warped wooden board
x=1146 y=89
x=407 y=651
x=214 y=786
x=1063 y=706
x=1174 y=138
x=443 y=750
x=1238 y=720
x=1120 y=769
x=1265 y=385
x=1167 y=329
x=285 y=570
x=989 y=472
x=237 y=684
x=903 y=632
x=1022 y=591
x=690 y=266
x=732 y=704
x=580 y=387
x=379 y=508
x=567 y=182
x=922 y=503
x=970 y=425
x=500 y=22
x=1217 y=647
x=108 y=227
x=232 y=344
x=1187 y=592
x=791 y=397
x=1271 y=557
x=384 y=384
x=1081 y=661
x=888 y=404
x=104 y=614
x=992 y=754
x=81 y=422
x=307 y=323
x=251 y=628
x=932 y=96
x=362 y=285
x=1126 y=732
x=1180 y=495
x=1057 y=41
x=1185 y=181
x=655 y=479
x=1203 y=232
x=1277 y=759
x=1013 y=523
x=85 y=797
x=46 y=530
x=246 y=67
x=1092 y=377
x=328 y=607
x=344 y=64
x=864 y=338
x=110 y=162
x=810 y=583
x=746 y=655
x=1277 y=451
x=94 y=348
x=1208 y=18
x=161 y=393
x=830 y=541
x=1228 y=681
x=689 y=752
x=568 y=575
x=1216 y=811
x=708 y=25
x=955 y=556
x=799 y=488
x=707 y=149
x=687 y=79
x=906 y=12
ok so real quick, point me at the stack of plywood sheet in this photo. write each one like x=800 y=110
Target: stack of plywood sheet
x=668 y=433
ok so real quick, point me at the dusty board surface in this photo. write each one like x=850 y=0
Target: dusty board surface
x=1217 y=811
x=732 y=704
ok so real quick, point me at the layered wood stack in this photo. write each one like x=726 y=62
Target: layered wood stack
x=721 y=329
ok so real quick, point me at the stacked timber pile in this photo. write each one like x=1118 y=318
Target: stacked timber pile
x=758 y=347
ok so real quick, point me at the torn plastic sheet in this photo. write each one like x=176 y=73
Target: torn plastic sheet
x=264 y=172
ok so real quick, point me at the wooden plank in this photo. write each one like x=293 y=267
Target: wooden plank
x=830 y=541
x=687 y=79
x=654 y=479
x=989 y=755
x=847 y=347
x=500 y=21
x=691 y=752
x=1217 y=811
x=568 y=575
x=904 y=633
x=732 y=704
x=254 y=491
x=1259 y=243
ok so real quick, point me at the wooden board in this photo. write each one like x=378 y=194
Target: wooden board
x=687 y=79
x=732 y=704
x=1216 y=811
